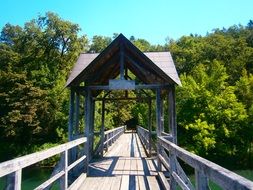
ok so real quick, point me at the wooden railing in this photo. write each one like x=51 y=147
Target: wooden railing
x=15 y=166
x=145 y=138
x=204 y=170
x=112 y=135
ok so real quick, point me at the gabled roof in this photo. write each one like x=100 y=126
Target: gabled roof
x=149 y=67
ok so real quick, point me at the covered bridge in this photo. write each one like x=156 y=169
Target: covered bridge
x=119 y=159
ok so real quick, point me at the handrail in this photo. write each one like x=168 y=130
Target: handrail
x=203 y=168
x=145 y=137
x=16 y=165
x=111 y=136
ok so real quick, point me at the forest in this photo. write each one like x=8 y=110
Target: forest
x=214 y=104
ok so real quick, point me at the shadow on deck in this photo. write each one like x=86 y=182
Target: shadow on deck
x=124 y=166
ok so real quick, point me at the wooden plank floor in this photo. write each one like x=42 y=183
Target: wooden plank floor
x=124 y=167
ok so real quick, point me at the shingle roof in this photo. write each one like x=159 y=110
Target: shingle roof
x=158 y=63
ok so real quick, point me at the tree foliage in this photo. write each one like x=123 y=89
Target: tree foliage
x=35 y=61
x=214 y=105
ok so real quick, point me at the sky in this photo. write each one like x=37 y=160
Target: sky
x=153 y=20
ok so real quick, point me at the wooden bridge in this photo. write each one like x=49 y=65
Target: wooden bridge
x=119 y=159
x=125 y=165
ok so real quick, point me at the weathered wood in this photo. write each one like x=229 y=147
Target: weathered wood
x=124 y=158
x=71 y=114
x=91 y=133
x=164 y=162
x=78 y=182
x=163 y=181
x=172 y=113
x=66 y=169
x=162 y=115
x=18 y=179
x=87 y=113
x=138 y=98
x=149 y=126
x=77 y=113
x=107 y=88
x=223 y=177
x=201 y=181
x=183 y=176
x=158 y=124
x=16 y=165
x=113 y=134
x=24 y=161
x=173 y=169
x=102 y=129
x=50 y=181
x=180 y=182
x=76 y=162
x=121 y=84
x=145 y=138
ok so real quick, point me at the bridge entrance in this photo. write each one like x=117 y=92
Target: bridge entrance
x=121 y=68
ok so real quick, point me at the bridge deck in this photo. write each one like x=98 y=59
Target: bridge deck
x=124 y=166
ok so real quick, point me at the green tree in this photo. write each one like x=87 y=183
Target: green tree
x=35 y=61
x=99 y=43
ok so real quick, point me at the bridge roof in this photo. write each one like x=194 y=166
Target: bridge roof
x=149 y=67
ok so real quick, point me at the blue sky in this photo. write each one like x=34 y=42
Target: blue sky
x=153 y=20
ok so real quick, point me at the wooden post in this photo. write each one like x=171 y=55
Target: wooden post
x=18 y=180
x=149 y=126
x=87 y=127
x=92 y=127
x=172 y=114
x=173 y=160
x=158 y=124
x=70 y=129
x=77 y=112
x=201 y=181
x=103 y=129
x=73 y=153
x=66 y=169
x=71 y=114
x=162 y=115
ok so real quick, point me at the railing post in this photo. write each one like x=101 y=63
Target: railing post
x=149 y=126
x=201 y=181
x=66 y=169
x=172 y=114
x=106 y=144
x=87 y=126
x=18 y=180
x=13 y=181
x=158 y=124
x=173 y=183
x=103 y=128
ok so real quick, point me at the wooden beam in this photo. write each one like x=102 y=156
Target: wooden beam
x=77 y=112
x=71 y=114
x=87 y=126
x=172 y=113
x=144 y=99
x=92 y=127
x=137 y=86
x=149 y=125
x=201 y=181
x=158 y=124
x=18 y=179
x=24 y=161
x=105 y=66
x=162 y=115
x=102 y=128
x=224 y=178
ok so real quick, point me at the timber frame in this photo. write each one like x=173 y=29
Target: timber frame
x=109 y=71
